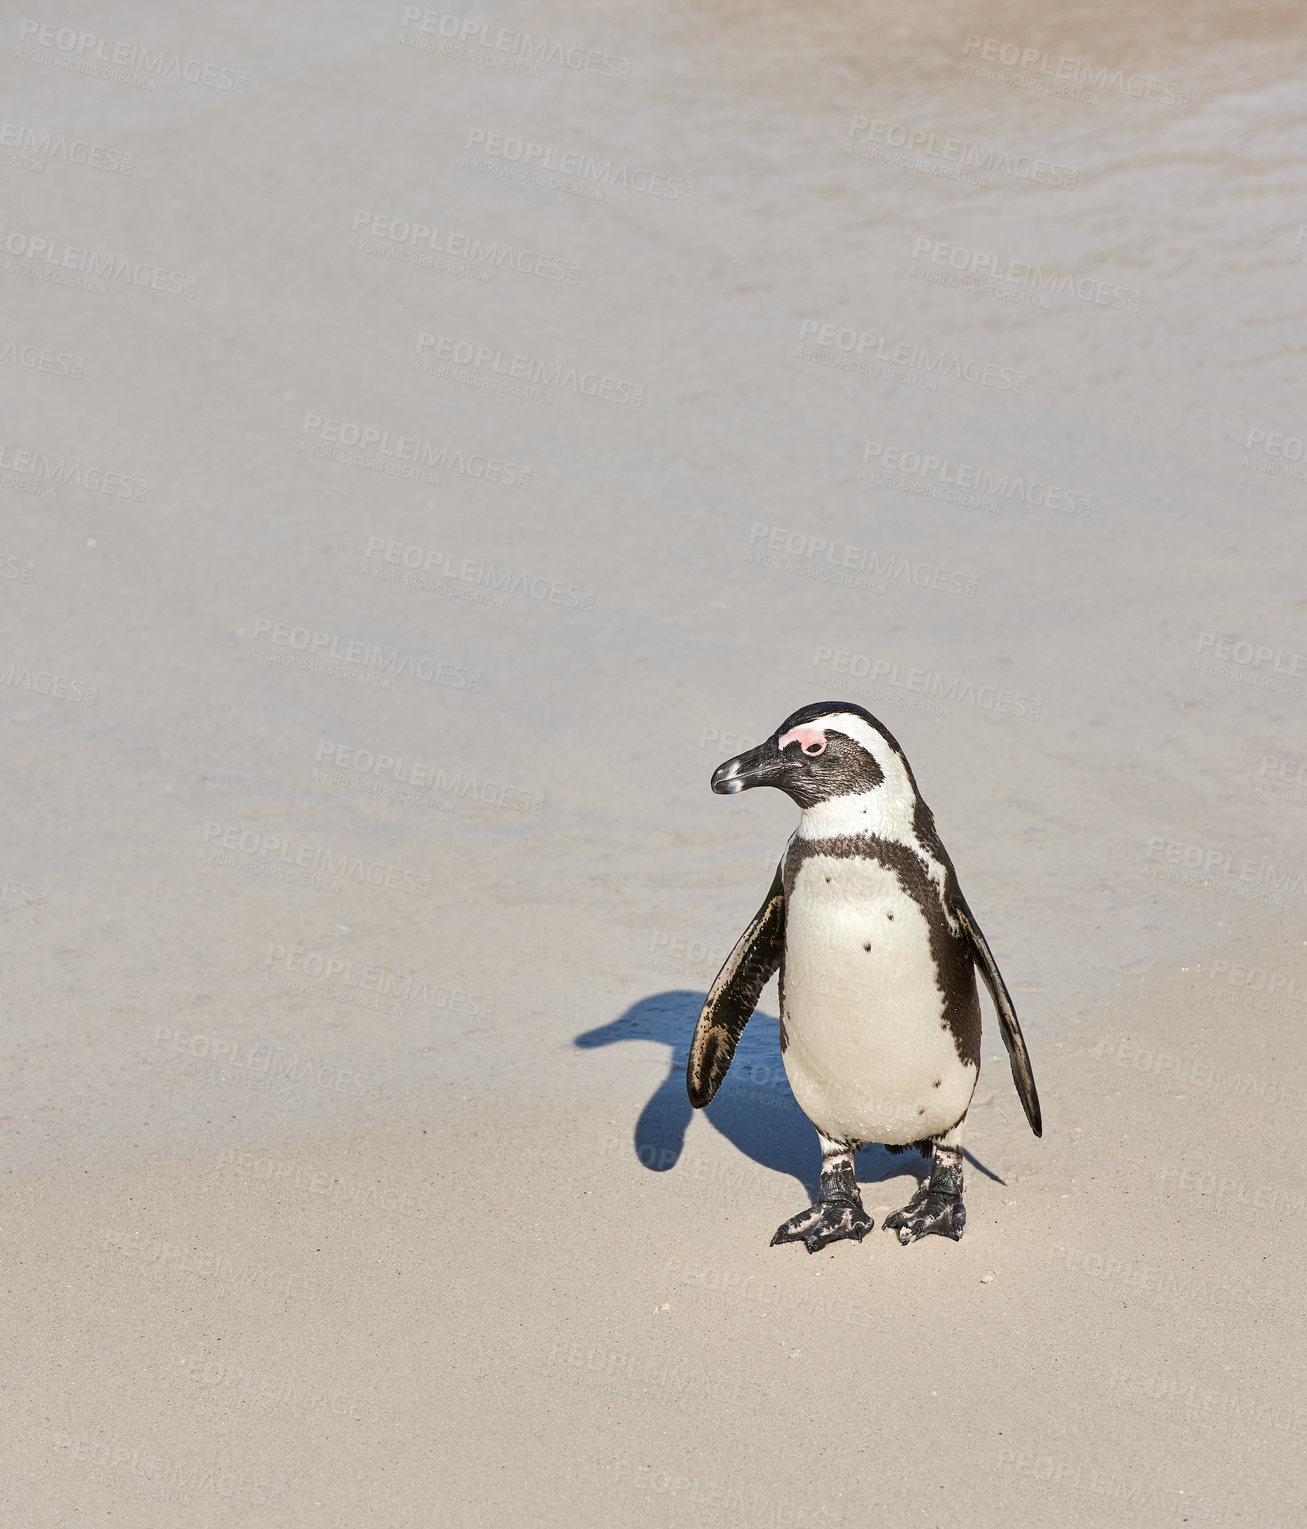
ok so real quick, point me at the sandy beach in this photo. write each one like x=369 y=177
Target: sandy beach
x=436 y=440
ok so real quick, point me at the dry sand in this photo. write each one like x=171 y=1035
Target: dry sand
x=428 y=1236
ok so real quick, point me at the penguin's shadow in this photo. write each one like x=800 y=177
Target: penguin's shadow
x=754 y=1108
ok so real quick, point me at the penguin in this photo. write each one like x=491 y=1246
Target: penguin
x=877 y=951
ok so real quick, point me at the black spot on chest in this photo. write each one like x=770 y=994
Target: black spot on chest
x=955 y=970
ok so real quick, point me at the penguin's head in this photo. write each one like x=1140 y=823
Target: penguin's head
x=822 y=753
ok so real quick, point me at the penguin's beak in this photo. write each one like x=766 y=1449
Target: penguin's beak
x=762 y=766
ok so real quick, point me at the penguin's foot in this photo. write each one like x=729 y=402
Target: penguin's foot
x=838 y=1212
x=827 y=1221
x=929 y=1210
x=937 y=1206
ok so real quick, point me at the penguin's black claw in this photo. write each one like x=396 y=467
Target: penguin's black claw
x=823 y=1223
x=929 y=1210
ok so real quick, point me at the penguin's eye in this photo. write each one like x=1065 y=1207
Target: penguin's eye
x=811 y=740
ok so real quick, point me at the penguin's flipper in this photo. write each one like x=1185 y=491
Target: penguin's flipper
x=1022 y=1074
x=734 y=995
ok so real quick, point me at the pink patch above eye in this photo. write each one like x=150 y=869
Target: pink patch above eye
x=812 y=740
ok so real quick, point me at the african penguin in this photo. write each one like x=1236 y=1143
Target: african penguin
x=877 y=950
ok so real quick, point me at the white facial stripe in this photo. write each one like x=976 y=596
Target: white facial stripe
x=888 y=810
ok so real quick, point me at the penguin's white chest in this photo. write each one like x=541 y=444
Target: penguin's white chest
x=867 y=1052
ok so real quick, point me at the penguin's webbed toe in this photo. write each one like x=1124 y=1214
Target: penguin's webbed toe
x=930 y=1210
x=825 y=1222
